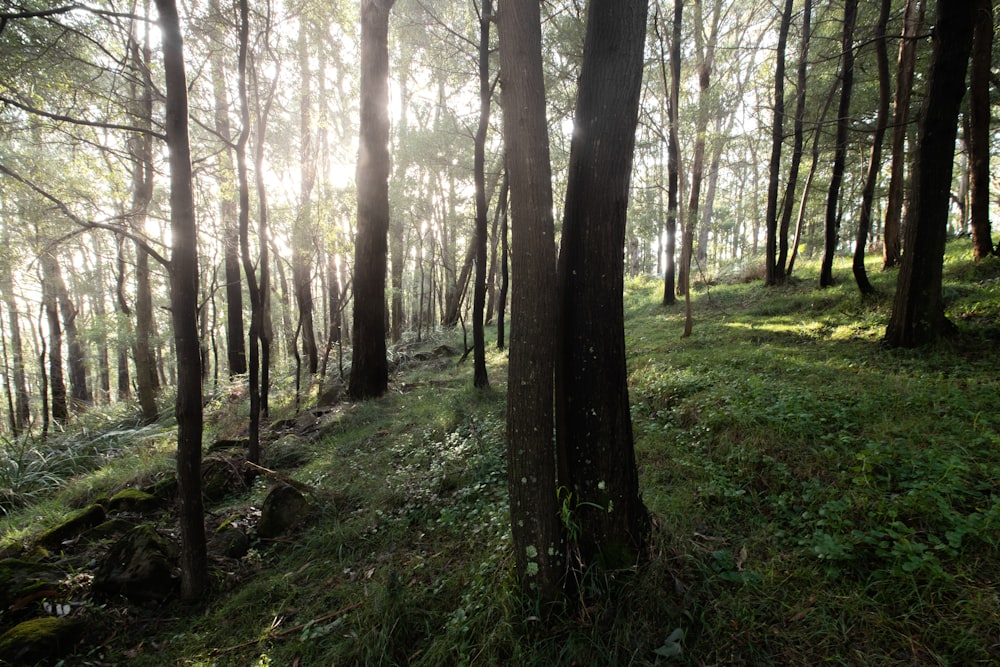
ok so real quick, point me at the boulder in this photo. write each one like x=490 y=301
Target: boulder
x=39 y=639
x=284 y=508
x=139 y=566
x=22 y=579
x=133 y=500
x=72 y=527
x=223 y=476
x=229 y=541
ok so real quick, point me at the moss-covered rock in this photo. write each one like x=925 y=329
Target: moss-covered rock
x=73 y=526
x=284 y=508
x=164 y=489
x=39 y=639
x=140 y=566
x=222 y=476
x=229 y=541
x=21 y=579
x=133 y=500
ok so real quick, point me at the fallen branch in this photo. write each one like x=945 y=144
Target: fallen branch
x=272 y=635
x=274 y=474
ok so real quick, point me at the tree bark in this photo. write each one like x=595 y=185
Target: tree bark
x=594 y=428
x=369 y=369
x=875 y=163
x=979 y=137
x=784 y=270
x=531 y=475
x=184 y=307
x=913 y=18
x=21 y=414
x=773 y=274
x=832 y=223
x=673 y=157
x=57 y=383
x=918 y=309
x=480 y=377
x=302 y=234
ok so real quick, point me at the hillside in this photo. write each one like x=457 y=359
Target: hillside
x=818 y=497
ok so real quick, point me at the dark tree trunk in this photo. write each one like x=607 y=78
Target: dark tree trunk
x=673 y=156
x=784 y=266
x=875 y=164
x=918 y=310
x=184 y=307
x=491 y=286
x=122 y=307
x=774 y=272
x=480 y=378
x=302 y=235
x=979 y=137
x=236 y=352
x=832 y=224
x=21 y=414
x=79 y=391
x=595 y=448
x=531 y=475
x=369 y=369
x=504 y=262
x=57 y=383
x=912 y=21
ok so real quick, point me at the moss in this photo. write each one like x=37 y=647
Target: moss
x=133 y=500
x=73 y=526
x=20 y=578
x=39 y=639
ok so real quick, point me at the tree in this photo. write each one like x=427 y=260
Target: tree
x=979 y=124
x=531 y=475
x=480 y=378
x=673 y=156
x=913 y=18
x=595 y=449
x=369 y=368
x=832 y=222
x=875 y=163
x=918 y=310
x=184 y=309
x=774 y=273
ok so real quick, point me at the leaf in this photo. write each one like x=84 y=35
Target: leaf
x=672 y=644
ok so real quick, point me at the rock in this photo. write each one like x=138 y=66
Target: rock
x=284 y=508
x=229 y=541
x=73 y=526
x=133 y=500
x=242 y=444
x=139 y=566
x=164 y=489
x=46 y=638
x=109 y=529
x=222 y=476
x=22 y=579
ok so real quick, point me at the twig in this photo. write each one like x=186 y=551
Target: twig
x=295 y=484
x=272 y=635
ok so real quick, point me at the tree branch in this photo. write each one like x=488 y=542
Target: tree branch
x=76 y=121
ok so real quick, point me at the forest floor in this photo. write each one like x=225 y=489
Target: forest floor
x=817 y=498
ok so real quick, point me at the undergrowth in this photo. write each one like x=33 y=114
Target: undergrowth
x=817 y=498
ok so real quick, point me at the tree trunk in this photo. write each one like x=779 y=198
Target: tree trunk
x=875 y=164
x=531 y=476
x=302 y=233
x=673 y=157
x=236 y=352
x=832 y=224
x=21 y=414
x=184 y=307
x=50 y=299
x=79 y=392
x=594 y=427
x=504 y=261
x=774 y=273
x=979 y=137
x=918 y=310
x=480 y=378
x=913 y=18
x=784 y=270
x=369 y=369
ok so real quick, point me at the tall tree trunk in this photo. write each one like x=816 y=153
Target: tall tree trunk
x=50 y=299
x=979 y=137
x=480 y=378
x=504 y=260
x=184 y=307
x=913 y=18
x=100 y=315
x=918 y=309
x=832 y=224
x=673 y=157
x=491 y=280
x=122 y=307
x=774 y=273
x=531 y=475
x=875 y=164
x=265 y=327
x=797 y=150
x=236 y=352
x=302 y=233
x=79 y=391
x=369 y=369
x=21 y=415
x=594 y=428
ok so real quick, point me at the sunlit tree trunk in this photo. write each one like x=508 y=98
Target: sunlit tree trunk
x=774 y=274
x=596 y=459
x=531 y=475
x=784 y=269
x=50 y=300
x=673 y=157
x=302 y=234
x=918 y=309
x=184 y=306
x=979 y=136
x=21 y=414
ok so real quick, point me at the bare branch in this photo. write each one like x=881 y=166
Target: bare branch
x=77 y=121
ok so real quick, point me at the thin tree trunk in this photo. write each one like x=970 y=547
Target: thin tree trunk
x=673 y=153
x=504 y=262
x=979 y=137
x=57 y=383
x=480 y=378
x=302 y=233
x=774 y=273
x=832 y=225
x=184 y=304
x=913 y=18
x=797 y=150
x=875 y=164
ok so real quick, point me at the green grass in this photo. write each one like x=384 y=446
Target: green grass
x=819 y=498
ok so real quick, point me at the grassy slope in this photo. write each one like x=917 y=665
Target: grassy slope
x=819 y=498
